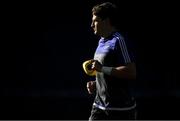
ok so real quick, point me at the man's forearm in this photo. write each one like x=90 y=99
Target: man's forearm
x=125 y=72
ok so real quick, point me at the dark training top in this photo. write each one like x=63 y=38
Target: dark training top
x=113 y=93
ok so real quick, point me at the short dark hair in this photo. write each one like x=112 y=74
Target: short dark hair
x=106 y=10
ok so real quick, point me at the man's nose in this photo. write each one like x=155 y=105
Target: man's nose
x=92 y=25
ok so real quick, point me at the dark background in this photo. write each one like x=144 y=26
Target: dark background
x=43 y=46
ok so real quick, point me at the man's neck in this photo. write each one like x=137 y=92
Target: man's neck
x=109 y=32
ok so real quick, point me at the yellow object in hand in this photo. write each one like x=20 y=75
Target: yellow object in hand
x=87 y=68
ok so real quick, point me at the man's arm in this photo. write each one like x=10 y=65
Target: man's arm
x=127 y=71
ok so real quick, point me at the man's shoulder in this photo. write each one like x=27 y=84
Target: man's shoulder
x=118 y=36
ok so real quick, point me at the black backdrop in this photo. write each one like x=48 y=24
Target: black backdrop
x=43 y=46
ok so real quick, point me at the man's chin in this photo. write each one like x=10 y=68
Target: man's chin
x=95 y=32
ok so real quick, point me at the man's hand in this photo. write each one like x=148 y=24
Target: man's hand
x=91 y=87
x=96 y=65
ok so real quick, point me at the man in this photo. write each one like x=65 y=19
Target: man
x=115 y=66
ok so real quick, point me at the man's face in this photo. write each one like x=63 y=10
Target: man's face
x=98 y=25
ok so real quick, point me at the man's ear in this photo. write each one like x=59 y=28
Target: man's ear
x=107 y=21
